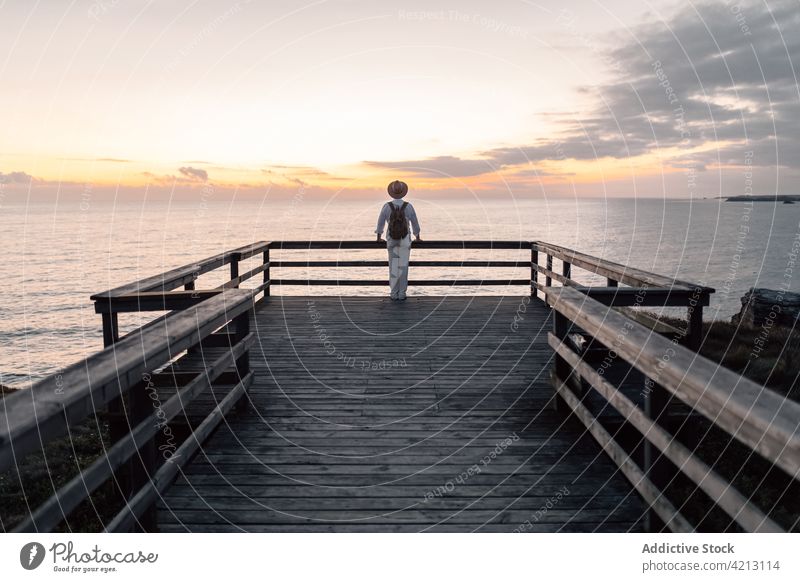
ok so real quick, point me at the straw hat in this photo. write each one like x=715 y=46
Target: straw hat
x=397 y=189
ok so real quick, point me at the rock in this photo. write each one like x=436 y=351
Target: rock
x=6 y=390
x=760 y=306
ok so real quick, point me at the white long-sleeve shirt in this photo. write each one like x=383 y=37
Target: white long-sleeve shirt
x=411 y=216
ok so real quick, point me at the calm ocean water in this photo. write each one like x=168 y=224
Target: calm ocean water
x=57 y=255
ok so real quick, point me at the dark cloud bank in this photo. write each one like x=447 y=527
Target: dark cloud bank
x=720 y=74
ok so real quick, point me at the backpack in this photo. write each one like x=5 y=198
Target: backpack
x=398 y=225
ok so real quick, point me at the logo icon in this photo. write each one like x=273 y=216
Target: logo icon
x=31 y=555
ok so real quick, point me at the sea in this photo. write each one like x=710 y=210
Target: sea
x=57 y=254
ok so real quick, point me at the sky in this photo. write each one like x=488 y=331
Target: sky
x=509 y=98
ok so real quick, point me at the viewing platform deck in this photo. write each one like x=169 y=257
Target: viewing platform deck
x=555 y=405
x=430 y=414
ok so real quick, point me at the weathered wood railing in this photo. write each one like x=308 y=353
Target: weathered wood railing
x=435 y=245
x=644 y=289
x=759 y=418
x=151 y=293
x=121 y=377
x=127 y=371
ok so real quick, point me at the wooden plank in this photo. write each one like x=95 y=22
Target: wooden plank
x=159 y=483
x=251 y=250
x=336 y=264
x=44 y=411
x=316 y=432
x=665 y=510
x=616 y=271
x=236 y=281
x=183 y=275
x=574 y=527
x=152 y=301
x=756 y=416
x=411 y=283
x=371 y=244
x=66 y=499
x=510 y=518
x=643 y=296
x=719 y=490
x=652 y=322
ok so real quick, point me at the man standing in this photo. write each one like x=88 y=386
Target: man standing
x=397 y=214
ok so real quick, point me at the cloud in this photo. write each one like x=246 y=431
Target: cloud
x=284 y=170
x=439 y=167
x=720 y=77
x=535 y=173
x=195 y=174
x=16 y=178
x=718 y=74
x=109 y=160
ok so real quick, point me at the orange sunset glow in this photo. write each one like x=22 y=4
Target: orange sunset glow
x=341 y=97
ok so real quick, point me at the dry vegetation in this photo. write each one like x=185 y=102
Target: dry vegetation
x=40 y=474
x=772 y=358
x=776 y=366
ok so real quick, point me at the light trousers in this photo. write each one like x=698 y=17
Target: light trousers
x=399 y=253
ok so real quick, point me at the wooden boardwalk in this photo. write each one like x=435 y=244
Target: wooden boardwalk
x=425 y=415
x=240 y=410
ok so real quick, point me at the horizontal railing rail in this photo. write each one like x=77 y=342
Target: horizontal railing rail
x=759 y=418
x=373 y=244
x=644 y=288
x=366 y=245
x=127 y=371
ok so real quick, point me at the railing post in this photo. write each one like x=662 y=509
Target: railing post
x=548 y=281
x=118 y=422
x=110 y=326
x=566 y=269
x=561 y=368
x=655 y=406
x=235 y=267
x=694 y=338
x=117 y=425
x=142 y=466
x=534 y=271
x=242 y=325
x=266 y=273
